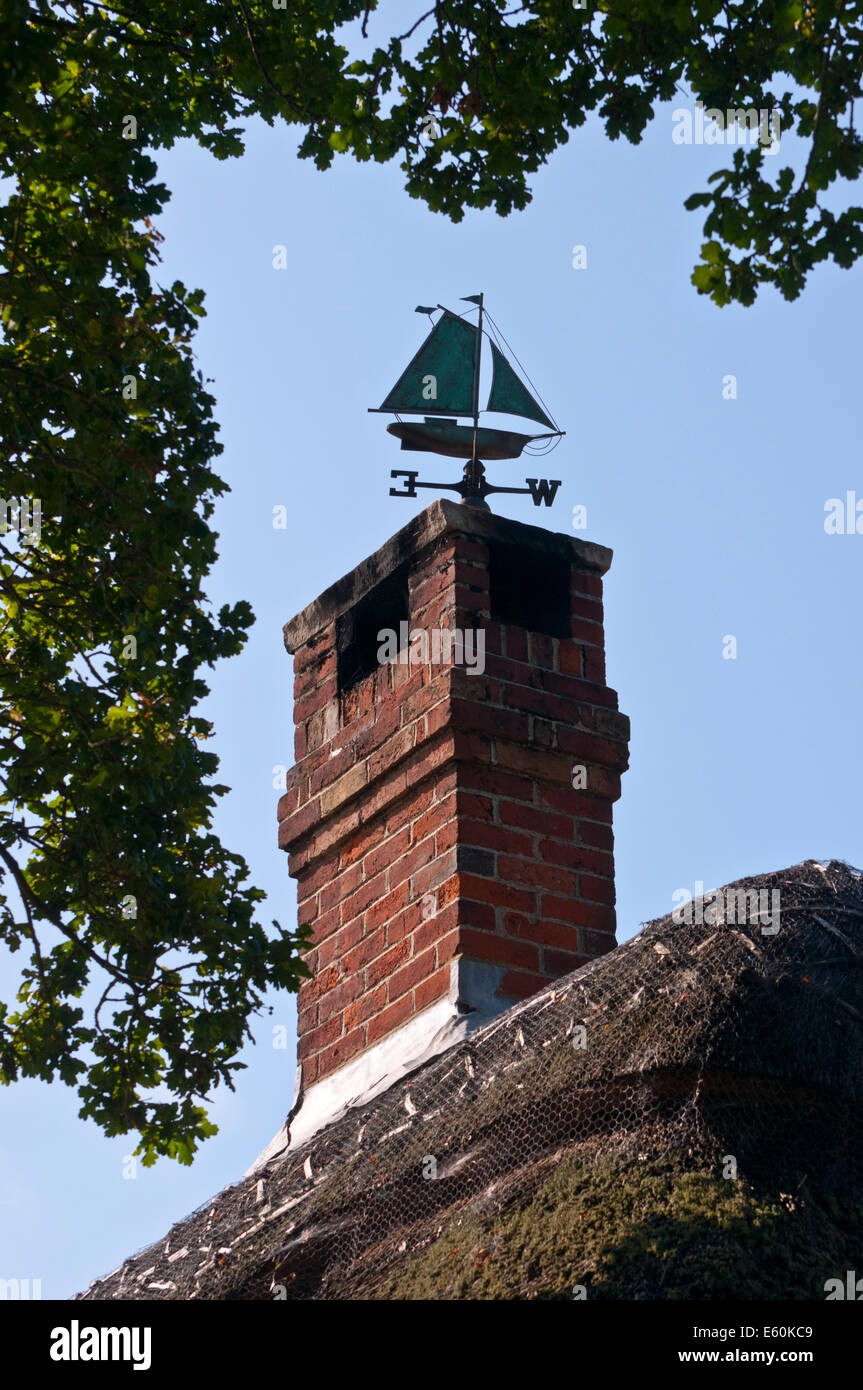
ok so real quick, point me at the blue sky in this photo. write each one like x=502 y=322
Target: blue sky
x=714 y=509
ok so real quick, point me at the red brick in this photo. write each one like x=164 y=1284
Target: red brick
x=307 y=1018
x=575 y=910
x=387 y=906
x=494 y=637
x=437 y=927
x=360 y=843
x=323 y=981
x=496 y=837
x=337 y=944
x=300 y=742
x=571 y=659
x=451 y=789
x=339 y=888
x=590 y=608
x=370 y=1003
x=446 y=782
x=582 y=630
x=387 y=853
x=434 y=988
x=431 y=820
x=600 y=835
x=322 y=1036
x=379 y=798
x=530 y=818
x=467 y=548
x=289 y=802
x=471 y=601
x=341 y=1052
x=581 y=691
x=405 y=922
x=539 y=875
x=394 y=751
x=408 y=808
x=434 y=754
x=516 y=642
x=316 y=876
x=594 y=664
x=602 y=782
x=411 y=862
x=541 y=648
x=559 y=934
x=337 y=829
x=371 y=946
x=586 y=583
x=472 y=807
x=331 y=770
x=503 y=950
x=596 y=890
x=543 y=702
x=574 y=804
x=307 y=912
x=369 y=892
x=337 y=1000
x=486 y=890
x=563 y=962
x=447 y=837
x=435 y=873
x=501 y=723
x=295 y=826
x=391 y=1017
x=480 y=915
x=320 y=695
x=411 y=974
x=517 y=984
x=448 y=947
x=494 y=783
x=574 y=857
x=384 y=966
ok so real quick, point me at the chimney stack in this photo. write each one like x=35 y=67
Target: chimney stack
x=449 y=816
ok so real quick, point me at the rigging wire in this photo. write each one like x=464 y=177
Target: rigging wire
x=541 y=447
x=498 y=333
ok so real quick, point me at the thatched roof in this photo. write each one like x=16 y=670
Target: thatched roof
x=606 y=1106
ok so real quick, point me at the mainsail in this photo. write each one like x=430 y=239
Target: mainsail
x=440 y=376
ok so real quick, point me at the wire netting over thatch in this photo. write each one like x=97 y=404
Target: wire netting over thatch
x=679 y=1118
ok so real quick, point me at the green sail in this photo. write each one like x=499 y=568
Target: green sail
x=509 y=396
x=439 y=380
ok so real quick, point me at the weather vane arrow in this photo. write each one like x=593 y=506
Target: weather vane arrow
x=442 y=383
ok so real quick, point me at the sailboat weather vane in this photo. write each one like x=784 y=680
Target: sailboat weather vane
x=443 y=378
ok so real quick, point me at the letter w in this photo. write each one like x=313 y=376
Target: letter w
x=543 y=489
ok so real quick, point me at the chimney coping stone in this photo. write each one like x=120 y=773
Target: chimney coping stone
x=441 y=518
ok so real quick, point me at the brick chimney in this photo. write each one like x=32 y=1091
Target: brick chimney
x=448 y=820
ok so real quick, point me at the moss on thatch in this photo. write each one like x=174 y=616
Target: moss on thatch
x=635 y=1231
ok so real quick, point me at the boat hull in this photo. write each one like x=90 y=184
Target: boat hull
x=456 y=441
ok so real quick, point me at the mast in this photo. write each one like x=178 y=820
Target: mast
x=474 y=471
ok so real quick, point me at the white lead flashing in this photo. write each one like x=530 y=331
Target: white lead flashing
x=426 y=1035
x=437 y=1028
